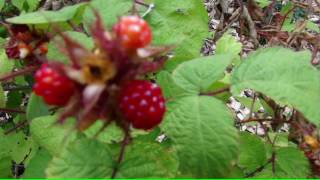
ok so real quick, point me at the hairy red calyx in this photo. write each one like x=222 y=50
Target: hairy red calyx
x=25 y=44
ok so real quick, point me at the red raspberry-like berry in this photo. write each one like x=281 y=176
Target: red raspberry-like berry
x=56 y=89
x=133 y=32
x=142 y=104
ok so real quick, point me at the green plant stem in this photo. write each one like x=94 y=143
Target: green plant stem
x=124 y=143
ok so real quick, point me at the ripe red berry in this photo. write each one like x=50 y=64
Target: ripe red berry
x=133 y=32
x=56 y=89
x=142 y=104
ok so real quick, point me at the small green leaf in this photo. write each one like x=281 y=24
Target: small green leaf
x=84 y=158
x=18 y=4
x=108 y=10
x=313 y=26
x=202 y=130
x=50 y=135
x=184 y=25
x=253 y=153
x=37 y=165
x=36 y=107
x=285 y=76
x=289 y=163
x=45 y=17
x=198 y=75
x=263 y=3
x=227 y=44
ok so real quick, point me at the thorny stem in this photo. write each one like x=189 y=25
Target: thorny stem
x=24 y=71
x=12 y=110
x=124 y=143
x=219 y=91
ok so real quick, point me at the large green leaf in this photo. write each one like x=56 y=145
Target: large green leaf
x=253 y=153
x=37 y=165
x=2 y=3
x=199 y=74
x=110 y=134
x=202 y=130
x=44 y=17
x=84 y=158
x=109 y=10
x=36 y=107
x=168 y=86
x=285 y=76
x=148 y=160
x=50 y=135
x=289 y=163
x=14 y=146
x=182 y=24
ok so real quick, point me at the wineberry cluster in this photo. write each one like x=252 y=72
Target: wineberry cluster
x=25 y=44
x=107 y=83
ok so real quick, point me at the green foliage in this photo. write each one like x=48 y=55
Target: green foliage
x=36 y=107
x=25 y=5
x=181 y=24
x=202 y=131
x=6 y=65
x=109 y=11
x=38 y=164
x=46 y=17
x=50 y=135
x=276 y=72
x=289 y=163
x=252 y=154
x=227 y=44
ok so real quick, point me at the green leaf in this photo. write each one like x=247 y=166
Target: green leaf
x=2 y=3
x=6 y=65
x=148 y=160
x=202 y=130
x=14 y=99
x=111 y=134
x=2 y=98
x=285 y=76
x=50 y=135
x=16 y=145
x=36 y=107
x=263 y=3
x=184 y=25
x=5 y=167
x=109 y=11
x=45 y=17
x=247 y=102
x=18 y=4
x=57 y=44
x=313 y=26
x=32 y=5
x=289 y=163
x=253 y=153
x=227 y=44
x=84 y=158
x=198 y=75
x=168 y=86
x=37 y=165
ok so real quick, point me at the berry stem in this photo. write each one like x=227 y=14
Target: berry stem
x=124 y=143
x=17 y=88
x=18 y=73
x=16 y=127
